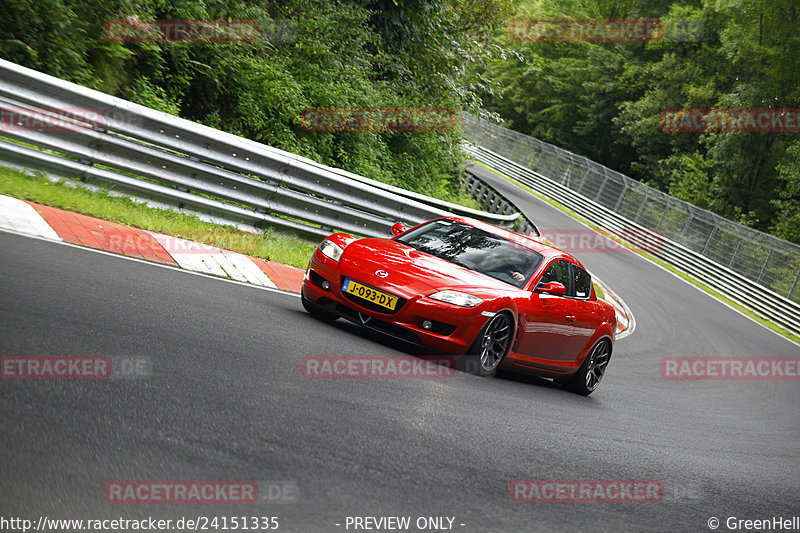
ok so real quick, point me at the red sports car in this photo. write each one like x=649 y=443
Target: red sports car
x=464 y=287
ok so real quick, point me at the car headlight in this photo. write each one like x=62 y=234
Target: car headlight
x=331 y=250
x=457 y=298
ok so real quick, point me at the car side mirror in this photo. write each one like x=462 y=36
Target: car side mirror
x=553 y=287
x=398 y=228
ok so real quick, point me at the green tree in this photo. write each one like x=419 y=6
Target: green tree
x=605 y=100
x=787 y=204
x=311 y=53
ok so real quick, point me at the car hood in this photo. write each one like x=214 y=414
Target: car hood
x=410 y=271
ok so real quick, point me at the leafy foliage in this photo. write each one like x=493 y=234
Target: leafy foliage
x=310 y=53
x=604 y=100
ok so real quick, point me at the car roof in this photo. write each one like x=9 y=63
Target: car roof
x=549 y=252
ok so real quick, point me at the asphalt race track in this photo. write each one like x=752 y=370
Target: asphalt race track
x=225 y=400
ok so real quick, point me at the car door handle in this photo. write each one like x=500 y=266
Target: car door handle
x=571 y=318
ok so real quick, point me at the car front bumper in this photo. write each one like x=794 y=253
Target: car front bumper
x=453 y=329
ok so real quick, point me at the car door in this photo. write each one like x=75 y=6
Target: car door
x=584 y=313
x=545 y=326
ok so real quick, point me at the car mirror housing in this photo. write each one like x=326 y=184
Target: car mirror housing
x=398 y=228
x=553 y=287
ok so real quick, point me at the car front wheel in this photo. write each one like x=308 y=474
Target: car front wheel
x=491 y=345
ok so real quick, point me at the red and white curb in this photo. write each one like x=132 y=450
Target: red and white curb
x=19 y=216
x=211 y=260
x=625 y=321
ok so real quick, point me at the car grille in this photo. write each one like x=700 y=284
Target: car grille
x=376 y=324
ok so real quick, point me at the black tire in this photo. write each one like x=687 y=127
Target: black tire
x=588 y=377
x=316 y=311
x=491 y=346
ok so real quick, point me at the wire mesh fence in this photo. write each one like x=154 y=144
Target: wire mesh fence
x=766 y=260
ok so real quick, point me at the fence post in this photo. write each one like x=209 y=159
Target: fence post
x=566 y=177
x=664 y=213
x=686 y=226
x=736 y=252
x=583 y=179
x=600 y=189
x=641 y=207
x=710 y=237
x=794 y=285
x=527 y=155
x=621 y=196
x=764 y=268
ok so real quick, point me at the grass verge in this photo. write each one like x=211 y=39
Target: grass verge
x=272 y=244
x=699 y=284
x=598 y=290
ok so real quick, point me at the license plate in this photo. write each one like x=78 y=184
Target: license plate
x=369 y=294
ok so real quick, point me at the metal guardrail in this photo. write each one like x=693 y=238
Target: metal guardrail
x=761 y=258
x=154 y=155
x=727 y=282
x=494 y=202
x=159 y=156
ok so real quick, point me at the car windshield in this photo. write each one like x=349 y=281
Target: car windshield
x=475 y=249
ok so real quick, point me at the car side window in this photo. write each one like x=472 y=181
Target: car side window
x=582 y=281
x=558 y=271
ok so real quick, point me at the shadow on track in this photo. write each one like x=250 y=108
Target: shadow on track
x=463 y=364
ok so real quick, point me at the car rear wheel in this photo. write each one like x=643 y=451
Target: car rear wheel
x=588 y=377
x=316 y=311
x=491 y=345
